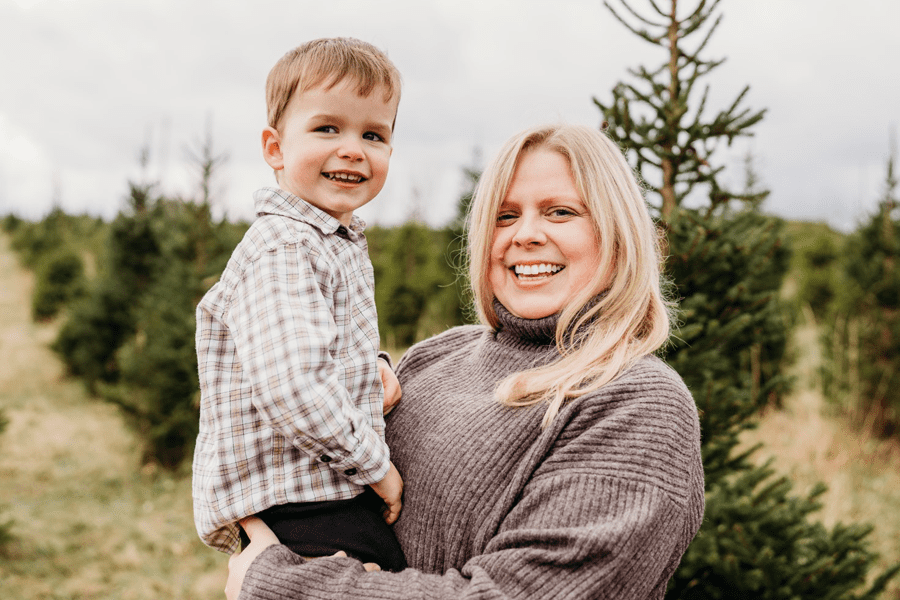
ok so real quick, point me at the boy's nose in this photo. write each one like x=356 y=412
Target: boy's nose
x=350 y=149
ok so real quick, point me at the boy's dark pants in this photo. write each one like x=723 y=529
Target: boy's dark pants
x=322 y=528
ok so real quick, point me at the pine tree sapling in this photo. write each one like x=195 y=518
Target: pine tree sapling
x=818 y=269
x=97 y=326
x=158 y=387
x=59 y=279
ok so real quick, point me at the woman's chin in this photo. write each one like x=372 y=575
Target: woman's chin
x=532 y=308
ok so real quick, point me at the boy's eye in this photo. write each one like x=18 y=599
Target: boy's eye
x=327 y=129
x=373 y=137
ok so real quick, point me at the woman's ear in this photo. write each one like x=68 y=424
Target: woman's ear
x=271 y=143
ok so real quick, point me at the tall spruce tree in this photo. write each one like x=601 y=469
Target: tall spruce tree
x=657 y=119
x=727 y=261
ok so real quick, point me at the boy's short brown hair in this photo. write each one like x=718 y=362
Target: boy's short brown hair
x=329 y=61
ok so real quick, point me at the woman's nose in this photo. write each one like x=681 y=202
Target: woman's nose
x=529 y=231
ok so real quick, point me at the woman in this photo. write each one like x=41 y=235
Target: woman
x=546 y=452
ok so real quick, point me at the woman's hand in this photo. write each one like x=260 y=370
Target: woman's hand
x=261 y=537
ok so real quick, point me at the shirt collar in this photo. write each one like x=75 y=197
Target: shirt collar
x=275 y=201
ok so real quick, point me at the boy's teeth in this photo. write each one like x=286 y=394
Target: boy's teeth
x=344 y=177
x=539 y=269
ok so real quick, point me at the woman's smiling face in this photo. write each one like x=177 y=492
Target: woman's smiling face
x=545 y=248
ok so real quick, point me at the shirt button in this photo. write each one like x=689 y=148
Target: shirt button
x=350 y=472
x=325 y=458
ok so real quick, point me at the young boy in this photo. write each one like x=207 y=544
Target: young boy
x=291 y=410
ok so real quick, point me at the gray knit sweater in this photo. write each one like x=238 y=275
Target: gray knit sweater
x=602 y=504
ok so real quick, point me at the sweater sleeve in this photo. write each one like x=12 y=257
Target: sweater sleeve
x=570 y=536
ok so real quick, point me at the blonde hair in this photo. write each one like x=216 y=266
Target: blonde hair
x=329 y=61
x=598 y=339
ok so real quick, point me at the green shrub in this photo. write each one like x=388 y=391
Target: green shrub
x=97 y=326
x=32 y=241
x=758 y=541
x=816 y=267
x=59 y=279
x=10 y=223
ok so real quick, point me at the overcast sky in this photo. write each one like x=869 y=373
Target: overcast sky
x=87 y=83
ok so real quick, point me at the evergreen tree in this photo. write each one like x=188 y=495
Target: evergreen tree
x=34 y=241
x=818 y=273
x=53 y=249
x=11 y=223
x=59 y=279
x=727 y=261
x=95 y=329
x=862 y=340
x=415 y=288
x=669 y=138
x=158 y=387
x=99 y=325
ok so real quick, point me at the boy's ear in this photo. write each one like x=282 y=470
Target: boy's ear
x=271 y=143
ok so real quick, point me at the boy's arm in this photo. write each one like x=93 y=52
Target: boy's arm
x=283 y=330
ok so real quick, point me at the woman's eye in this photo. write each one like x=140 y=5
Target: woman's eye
x=505 y=218
x=562 y=212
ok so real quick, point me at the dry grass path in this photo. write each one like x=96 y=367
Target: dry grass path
x=89 y=523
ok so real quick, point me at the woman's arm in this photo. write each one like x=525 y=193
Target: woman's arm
x=261 y=537
x=573 y=536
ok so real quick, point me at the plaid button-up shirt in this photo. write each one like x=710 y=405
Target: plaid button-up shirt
x=287 y=342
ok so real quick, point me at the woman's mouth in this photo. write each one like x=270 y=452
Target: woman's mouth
x=536 y=270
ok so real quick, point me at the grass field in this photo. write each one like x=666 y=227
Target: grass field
x=90 y=523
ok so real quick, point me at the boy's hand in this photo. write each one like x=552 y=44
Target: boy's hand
x=261 y=537
x=391 y=490
x=392 y=392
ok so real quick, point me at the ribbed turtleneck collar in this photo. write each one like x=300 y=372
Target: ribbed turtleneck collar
x=537 y=331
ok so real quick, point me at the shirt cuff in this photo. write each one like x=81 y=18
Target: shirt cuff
x=366 y=464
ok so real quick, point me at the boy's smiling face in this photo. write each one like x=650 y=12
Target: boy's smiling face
x=333 y=147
